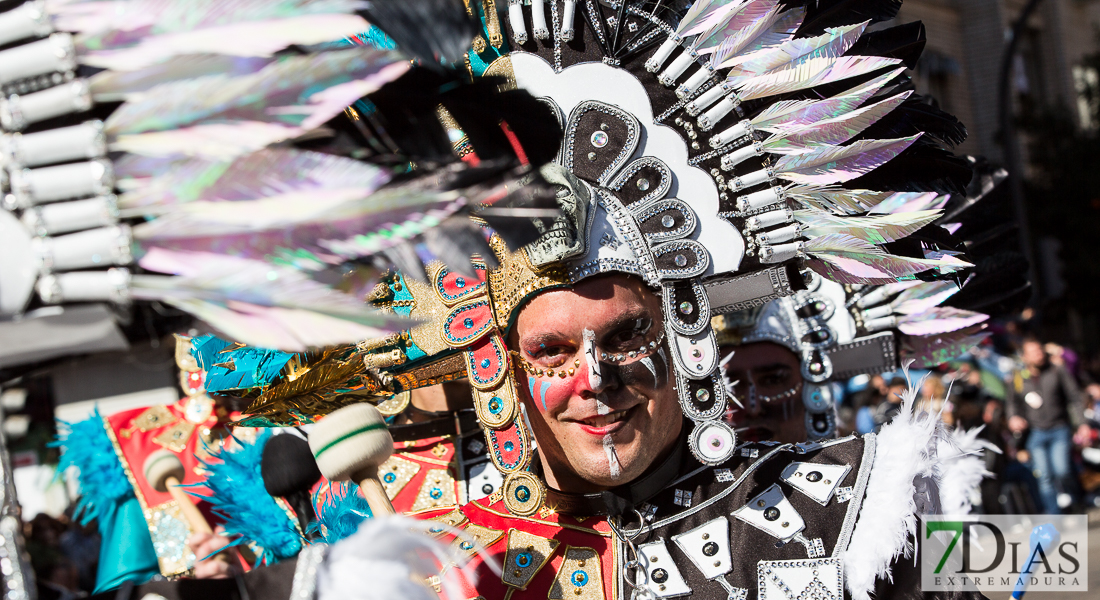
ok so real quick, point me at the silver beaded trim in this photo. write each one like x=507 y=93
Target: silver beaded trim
x=304 y=585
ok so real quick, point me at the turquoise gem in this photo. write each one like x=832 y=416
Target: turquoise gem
x=389 y=478
x=469 y=323
x=508 y=446
x=523 y=559
x=436 y=493
x=523 y=494
x=495 y=405
x=460 y=282
x=485 y=362
x=580 y=578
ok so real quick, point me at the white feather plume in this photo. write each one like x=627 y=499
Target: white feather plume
x=903 y=484
x=391 y=558
x=962 y=469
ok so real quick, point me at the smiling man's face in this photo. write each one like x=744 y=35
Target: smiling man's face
x=609 y=409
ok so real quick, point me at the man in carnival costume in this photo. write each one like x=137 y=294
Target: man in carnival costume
x=712 y=156
x=599 y=333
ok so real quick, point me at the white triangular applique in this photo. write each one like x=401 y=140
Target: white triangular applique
x=821 y=578
x=708 y=546
x=662 y=577
x=772 y=513
x=819 y=482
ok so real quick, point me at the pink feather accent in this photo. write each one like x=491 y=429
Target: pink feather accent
x=937 y=320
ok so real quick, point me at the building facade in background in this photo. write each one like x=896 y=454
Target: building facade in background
x=960 y=66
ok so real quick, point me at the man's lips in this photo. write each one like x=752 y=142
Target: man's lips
x=601 y=425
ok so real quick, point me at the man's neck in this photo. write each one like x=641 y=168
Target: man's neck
x=435 y=399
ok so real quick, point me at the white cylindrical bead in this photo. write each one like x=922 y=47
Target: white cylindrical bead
x=515 y=19
x=740 y=130
x=74 y=180
x=677 y=68
x=694 y=82
x=881 y=323
x=16 y=112
x=538 y=20
x=780 y=253
x=768 y=219
x=78 y=142
x=27 y=20
x=878 y=312
x=707 y=98
x=112 y=285
x=758 y=200
x=749 y=180
x=569 y=10
x=66 y=217
x=733 y=159
x=778 y=236
x=717 y=113
x=873 y=297
x=92 y=248
x=51 y=55
x=659 y=57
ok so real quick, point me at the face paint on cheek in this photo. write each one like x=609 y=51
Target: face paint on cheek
x=612 y=459
x=542 y=393
x=649 y=372
x=595 y=377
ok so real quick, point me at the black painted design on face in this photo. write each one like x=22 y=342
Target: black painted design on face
x=648 y=372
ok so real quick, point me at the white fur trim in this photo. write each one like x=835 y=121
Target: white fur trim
x=902 y=484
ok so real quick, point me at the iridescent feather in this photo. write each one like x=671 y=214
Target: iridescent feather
x=929 y=351
x=796 y=114
x=920 y=298
x=269 y=172
x=938 y=320
x=811 y=73
x=794 y=53
x=836 y=164
x=125 y=35
x=294 y=93
x=835 y=131
x=875 y=230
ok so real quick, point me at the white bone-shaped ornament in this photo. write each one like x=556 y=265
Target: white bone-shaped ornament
x=662 y=576
x=708 y=546
x=819 y=482
x=772 y=513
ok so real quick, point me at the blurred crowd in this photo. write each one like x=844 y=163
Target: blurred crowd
x=1037 y=402
x=63 y=554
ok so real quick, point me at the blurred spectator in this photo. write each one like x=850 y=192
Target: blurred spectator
x=865 y=401
x=56 y=575
x=933 y=399
x=1044 y=400
x=891 y=405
